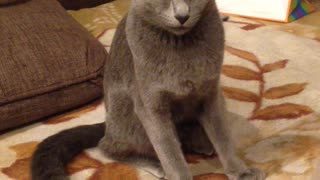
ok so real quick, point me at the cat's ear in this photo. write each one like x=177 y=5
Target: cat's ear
x=224 y=18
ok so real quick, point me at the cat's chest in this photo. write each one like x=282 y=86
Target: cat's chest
x=180 y=73
x=189 y=67
x=188 y=63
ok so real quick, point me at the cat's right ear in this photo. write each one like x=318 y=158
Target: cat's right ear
x=224 y=18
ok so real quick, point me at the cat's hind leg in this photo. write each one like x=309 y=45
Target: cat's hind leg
x=125 y=139
x=194 y=139
x=134 y=155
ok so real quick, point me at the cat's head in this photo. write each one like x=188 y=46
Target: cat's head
x=175 y=16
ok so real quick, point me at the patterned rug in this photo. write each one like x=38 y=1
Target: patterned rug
x=271 y=81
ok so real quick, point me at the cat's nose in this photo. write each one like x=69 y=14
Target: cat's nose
x=182 y=19
x=181 y=10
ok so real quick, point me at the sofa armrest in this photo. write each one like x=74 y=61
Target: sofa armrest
x=78 y=4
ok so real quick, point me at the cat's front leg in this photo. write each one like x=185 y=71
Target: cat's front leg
x=156 y=119
x=216 y=127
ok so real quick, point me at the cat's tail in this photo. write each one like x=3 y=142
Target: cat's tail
x=56 y=151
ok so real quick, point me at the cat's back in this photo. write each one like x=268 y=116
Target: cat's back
x=119 y=66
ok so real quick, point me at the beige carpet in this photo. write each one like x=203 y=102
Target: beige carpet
x=271 y=78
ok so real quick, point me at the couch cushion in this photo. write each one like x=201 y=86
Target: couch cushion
x=78 y=4
x=6 y=2
x=37 y=107
x=43 y=49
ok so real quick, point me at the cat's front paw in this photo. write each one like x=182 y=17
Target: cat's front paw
x=250 y=174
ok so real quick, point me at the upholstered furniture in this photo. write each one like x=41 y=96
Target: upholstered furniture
x=48 y=62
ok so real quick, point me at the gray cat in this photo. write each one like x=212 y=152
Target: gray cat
x=162 y=96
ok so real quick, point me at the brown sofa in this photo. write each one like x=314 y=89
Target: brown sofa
x=48 y=62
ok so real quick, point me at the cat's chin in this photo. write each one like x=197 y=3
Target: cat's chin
x=181 y=30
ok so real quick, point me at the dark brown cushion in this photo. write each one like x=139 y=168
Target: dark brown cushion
x=44 y=56
x=9 y=2
x=78 y=4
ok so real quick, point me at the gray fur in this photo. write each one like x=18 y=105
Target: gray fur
x=162 y=90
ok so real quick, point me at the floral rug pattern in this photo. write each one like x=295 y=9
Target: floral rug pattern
x=272 y=85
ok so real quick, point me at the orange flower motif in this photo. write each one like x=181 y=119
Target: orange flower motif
x=285 y=110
